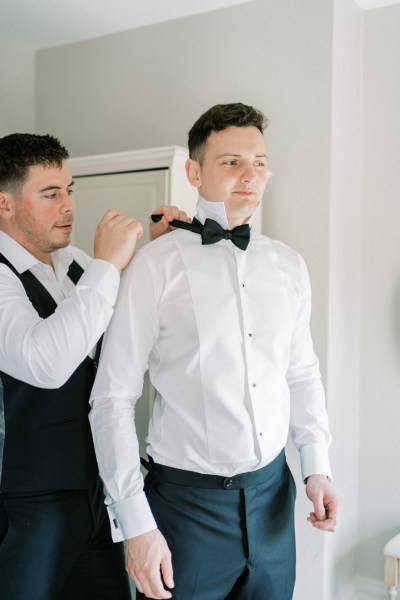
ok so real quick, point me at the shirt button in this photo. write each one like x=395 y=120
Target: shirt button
x=260 y=433
x=228 y=483
x=250 y=334
x=243 y=285
x=253 y=385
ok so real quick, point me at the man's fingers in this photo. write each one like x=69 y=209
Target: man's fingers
x=147 y=557
x=320 y=510
x=137 y=583
x=154 y=588
x=169 y=213
x=111 y=214
x=167 y=572
x=150 y=584
x=325 y=501
x=115 y=238
x=183 y=217
x=327 y=523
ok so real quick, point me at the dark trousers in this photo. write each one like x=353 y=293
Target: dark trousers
x=234 y=541
x=57 y=546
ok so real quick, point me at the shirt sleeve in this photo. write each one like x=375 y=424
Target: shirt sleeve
x=309 y=420
x=119 y=382
x=45 y=352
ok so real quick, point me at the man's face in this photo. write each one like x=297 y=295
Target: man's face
x=41 y=216
x=234 y=171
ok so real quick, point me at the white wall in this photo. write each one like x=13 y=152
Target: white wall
x=17 y=88
x=380 y=311
x=344 y=287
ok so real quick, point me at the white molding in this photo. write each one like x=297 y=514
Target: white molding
x=134 y=160
x=372 y=4
x=170 y=158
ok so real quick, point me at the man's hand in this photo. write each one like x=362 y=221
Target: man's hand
x=326 y=502
x=148 y=562
x=115 y=238
x=163 y=226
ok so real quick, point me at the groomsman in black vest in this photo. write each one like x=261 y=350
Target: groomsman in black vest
x=55 y=303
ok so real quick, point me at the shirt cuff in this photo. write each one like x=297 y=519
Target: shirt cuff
x=130 y=517
x=315 y=461
x=102 y=277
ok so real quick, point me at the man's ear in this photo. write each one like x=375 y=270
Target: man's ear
x=5 y=205
x=193 y=172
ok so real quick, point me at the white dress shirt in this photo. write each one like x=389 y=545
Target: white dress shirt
x=225 y=334
x=45 y=352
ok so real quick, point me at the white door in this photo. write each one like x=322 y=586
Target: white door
x=137 y=194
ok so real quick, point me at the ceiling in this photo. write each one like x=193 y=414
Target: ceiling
x=369 y=4
x=46 y=23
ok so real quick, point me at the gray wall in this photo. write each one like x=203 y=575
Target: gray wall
x=327 y=75
x=145 y=88
x=17 y=88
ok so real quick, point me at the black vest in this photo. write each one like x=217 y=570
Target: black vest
x=48 y=443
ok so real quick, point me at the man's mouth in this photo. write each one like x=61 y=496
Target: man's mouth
x=65 y=226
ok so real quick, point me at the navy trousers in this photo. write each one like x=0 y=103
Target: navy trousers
x=230 y=538
x=57 y=546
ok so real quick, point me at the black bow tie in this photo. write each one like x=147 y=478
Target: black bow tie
x=212 y=232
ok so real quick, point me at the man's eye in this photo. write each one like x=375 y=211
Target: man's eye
x=70 y=192
x=230 y=162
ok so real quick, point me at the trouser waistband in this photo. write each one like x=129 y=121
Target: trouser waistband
x=214 y=482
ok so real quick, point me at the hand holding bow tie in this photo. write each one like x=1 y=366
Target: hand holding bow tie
x=212 y=232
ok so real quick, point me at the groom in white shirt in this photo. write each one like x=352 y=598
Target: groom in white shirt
x=221 y=317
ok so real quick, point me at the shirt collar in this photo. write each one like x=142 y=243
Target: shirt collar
x=216 y=210
x=23 y=260
x=212 y=210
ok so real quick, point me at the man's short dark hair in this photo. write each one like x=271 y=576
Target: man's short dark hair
x=218 y=118
x=19 y=151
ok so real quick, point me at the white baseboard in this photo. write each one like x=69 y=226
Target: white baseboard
x=369 y=589
x=347 y=593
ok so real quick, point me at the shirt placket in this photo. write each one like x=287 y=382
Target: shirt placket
x=249 y=331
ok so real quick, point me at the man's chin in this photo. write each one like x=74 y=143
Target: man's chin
x=61 y=244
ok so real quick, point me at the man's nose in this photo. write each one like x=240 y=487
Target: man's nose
x=68 y=204
x=248 y=174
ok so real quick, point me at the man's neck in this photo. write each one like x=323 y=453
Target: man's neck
x=217 y=211
x=236 y=221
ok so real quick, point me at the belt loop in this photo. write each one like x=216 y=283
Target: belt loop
x=147 y=464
